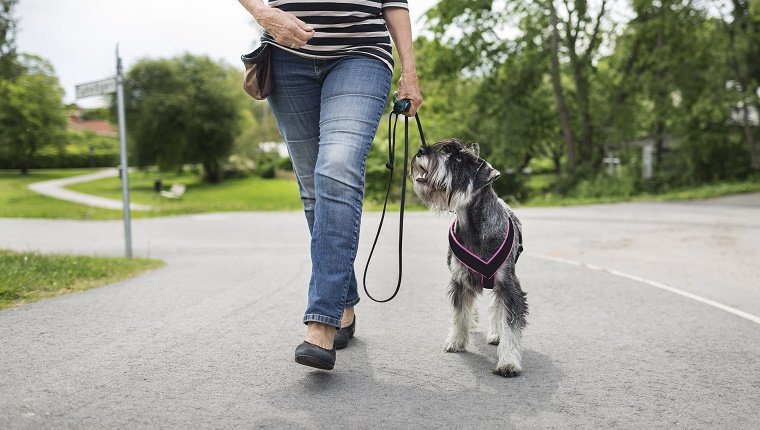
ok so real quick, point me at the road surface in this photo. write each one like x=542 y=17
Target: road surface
x=207 y=342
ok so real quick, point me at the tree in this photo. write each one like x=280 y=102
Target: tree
x=184 y=110
x=743 y=29
x=678 y=77
x=7 y=39
x=32 y=115
x=547 y=39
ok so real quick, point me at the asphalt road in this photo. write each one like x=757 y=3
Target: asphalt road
x=207 y=342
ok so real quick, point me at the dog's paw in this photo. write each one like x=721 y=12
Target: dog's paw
x=507 y=370
x=493 y=338
x=454 y=345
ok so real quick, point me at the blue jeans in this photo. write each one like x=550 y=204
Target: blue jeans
x=328 y=112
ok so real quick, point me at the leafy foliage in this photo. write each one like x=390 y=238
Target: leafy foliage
x=8 y=65
x=571 y=83
x=32 y=115
x=184 y=110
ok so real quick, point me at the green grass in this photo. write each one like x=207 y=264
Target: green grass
x=17 y=201
x=30 y=276
x=256 y=194
x=693 y=193
x=249 y=194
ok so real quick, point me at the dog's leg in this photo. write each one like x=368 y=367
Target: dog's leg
x=496 y=311
x=475 y=321
x=515 y=308
x=510 y=357
x=462 y=301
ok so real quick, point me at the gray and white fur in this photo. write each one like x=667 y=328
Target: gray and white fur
x=451 y=177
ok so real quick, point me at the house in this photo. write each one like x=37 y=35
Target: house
x=98 y=126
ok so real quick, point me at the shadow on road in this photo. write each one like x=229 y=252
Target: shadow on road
x=358 y=394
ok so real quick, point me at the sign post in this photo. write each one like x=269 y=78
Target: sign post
x=123 y=146
x=110 y=86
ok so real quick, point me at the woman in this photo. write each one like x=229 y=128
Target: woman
x=332 y=75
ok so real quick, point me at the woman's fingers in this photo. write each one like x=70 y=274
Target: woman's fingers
x=304 y=26
x=286 y=29
x=302 y=32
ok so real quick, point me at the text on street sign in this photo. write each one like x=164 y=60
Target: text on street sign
x=106 y=86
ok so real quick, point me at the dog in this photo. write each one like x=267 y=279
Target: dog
x=451 y=177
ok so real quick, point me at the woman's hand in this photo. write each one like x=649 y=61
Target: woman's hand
x=409 y=88
x=285 y=28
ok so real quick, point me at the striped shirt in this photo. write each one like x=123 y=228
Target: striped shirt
x=342 y=28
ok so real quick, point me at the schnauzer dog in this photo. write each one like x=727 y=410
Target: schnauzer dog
x=485 y=239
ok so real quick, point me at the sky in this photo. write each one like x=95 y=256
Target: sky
x=79 y=37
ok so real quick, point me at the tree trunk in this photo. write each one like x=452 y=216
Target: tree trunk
x=564 y=116
x=213 y=172
x=525 y=162
x=661 y=92
x=659 y=136
x=752 y=145
x=557 y=164
x=582 y=93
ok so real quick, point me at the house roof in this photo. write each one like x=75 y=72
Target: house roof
x=99 y=127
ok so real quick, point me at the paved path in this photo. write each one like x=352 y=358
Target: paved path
x=55 y=188
x=207 y=341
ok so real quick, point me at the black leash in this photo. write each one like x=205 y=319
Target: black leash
x=399 y=107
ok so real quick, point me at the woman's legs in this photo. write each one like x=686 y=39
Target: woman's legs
x=354 y=95
x=328 y=113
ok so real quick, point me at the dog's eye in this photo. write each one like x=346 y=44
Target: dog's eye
x=458 y=159
x=448 y=149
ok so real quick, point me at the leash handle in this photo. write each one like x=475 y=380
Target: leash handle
x=401 y=106
x=391 y=167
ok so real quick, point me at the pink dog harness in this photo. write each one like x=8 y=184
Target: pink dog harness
x=485 y=268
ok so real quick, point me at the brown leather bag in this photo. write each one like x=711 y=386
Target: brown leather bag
x=257 y=80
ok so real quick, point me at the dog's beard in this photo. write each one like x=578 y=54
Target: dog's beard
x=433 y=186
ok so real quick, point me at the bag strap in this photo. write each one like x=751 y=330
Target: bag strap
x=399 y=107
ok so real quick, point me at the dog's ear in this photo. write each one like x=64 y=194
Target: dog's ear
x=475 y=148
x=485 y=175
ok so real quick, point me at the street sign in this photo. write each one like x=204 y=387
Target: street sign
x=99 y=88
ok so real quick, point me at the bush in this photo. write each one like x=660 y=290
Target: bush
x=238 y=166
x=603 y=185
x=77 y=150
x=285 y=163
x=53 y=161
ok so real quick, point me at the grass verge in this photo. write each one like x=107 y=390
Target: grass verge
x=256 y=194
x=249 y=194
x=694 y=193
x=17 y=201
x=30 y=276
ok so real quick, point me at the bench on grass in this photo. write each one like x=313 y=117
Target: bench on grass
x=175 y=192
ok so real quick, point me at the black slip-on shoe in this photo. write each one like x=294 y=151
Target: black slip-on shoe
x=343 y=335
x=312 y=355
